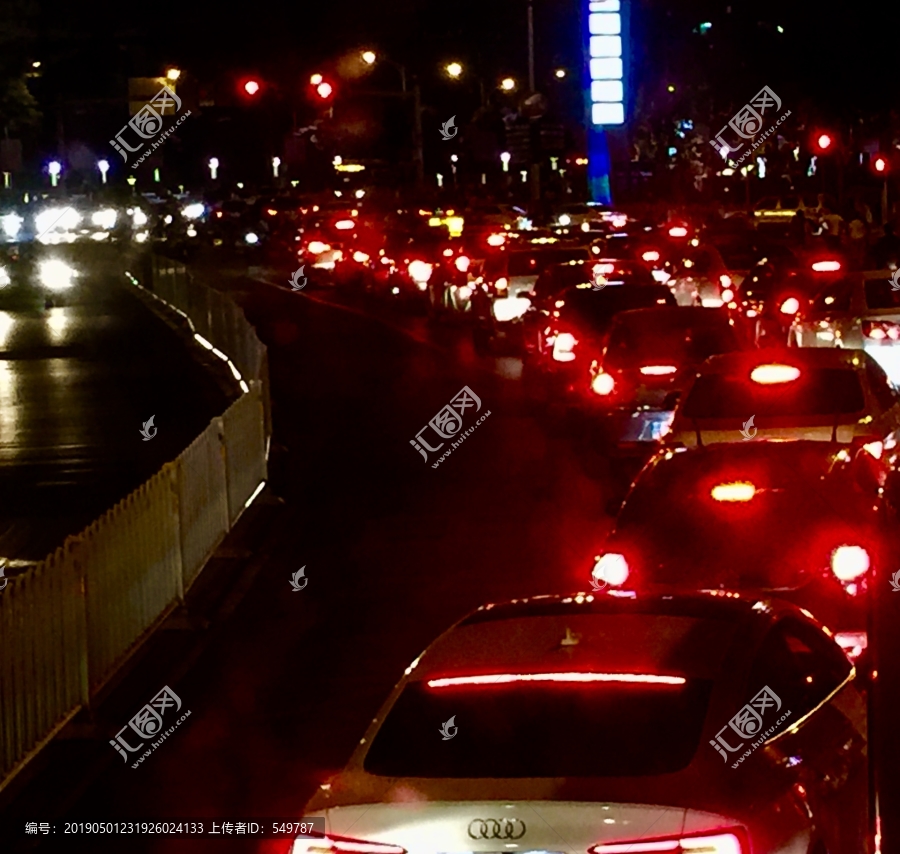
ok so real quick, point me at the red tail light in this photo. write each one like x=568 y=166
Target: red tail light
x=881 y=330
x=678 y=231
x=604 y=269
x=790 y=306
x=658 y=370
x=462 y=263
x=603 y=384
x=344 y=224
x=725 y=841
x=826 y=266
x=652 y=255
x=342 y=845
x=849 y=562
x=496 y=240
x=611 y=568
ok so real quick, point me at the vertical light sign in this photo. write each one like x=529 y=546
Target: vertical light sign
x=604 y=37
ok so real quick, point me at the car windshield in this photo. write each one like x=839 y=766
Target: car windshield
x=657 y=726
x=533 y=263
x=635 y=339
x=561 y=276
x=596 y=309
x=818 y=391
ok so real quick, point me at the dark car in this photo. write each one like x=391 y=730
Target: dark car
x=566 y=338
x=806 y=521
x=650 y=356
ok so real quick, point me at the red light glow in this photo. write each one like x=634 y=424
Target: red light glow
x=324 y=90
x=251 y=87
x=509 y=678
x=678 y=231
x=826 y=266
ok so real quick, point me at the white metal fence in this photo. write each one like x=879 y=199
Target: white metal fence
x=69 y=623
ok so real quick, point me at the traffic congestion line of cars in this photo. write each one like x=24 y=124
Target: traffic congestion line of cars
x=710 y=693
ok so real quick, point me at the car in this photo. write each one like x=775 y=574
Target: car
x=825 y=395
x=805 y=521
x=780 y=210
x=325 y=238
x=610 y=724
x=501 y=216
x=508 y=275
x=860 y=310
x=699 y=277
x=742 y=253
x=649 y=357
x=641 y=247
x=565 y=338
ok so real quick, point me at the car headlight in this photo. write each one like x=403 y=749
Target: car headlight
x=511 y=308
x=105 y=218
x=4 y=277
x=251 y=237
x=63 y=219
x=565 y=219
x=56 y=275
x=11 y=223
x=139 y=217
x=193 y=211
x=420 y=271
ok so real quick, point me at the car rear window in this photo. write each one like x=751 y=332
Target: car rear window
x=818 y=391
x=596 y=309
x=880 y=294
x=638 y=338
x=537 y=729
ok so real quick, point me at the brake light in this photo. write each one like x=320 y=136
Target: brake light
x=826 y=266
x=316 y=247
x=727 y=295
x=722 y=842
x=603 y=384
x=652 y=255
x=344 y=224
x=773 y=374
x=419 y=271
x=604 y=269
x=790 y=306
x=465 y=292
x=849 y=562
x=462 y=263
x=611 y=568
x=360 y=257
x=563 y=347
x=501 y=284
x=738 y=491
x=218 y=214
x=658 y=370
x=271 y=211
x=881 y=330
x=496 y=240
x=678 y=231
x=334 y=844
x=725 y=282
x=561 y=676
x=872 y=445
x=448 y=253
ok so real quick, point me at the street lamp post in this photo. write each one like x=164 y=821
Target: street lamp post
x=213 y=167
x=53 y=168
x=103 y=166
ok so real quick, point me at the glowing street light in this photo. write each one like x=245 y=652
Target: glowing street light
x=316 y=79
x=251 y=87
x=368 y=57
x=276 y=162
x=173 y=74
x=54 y=168
x=103 y=166
x=505 y=157
x=507 y=84
x=560 y=73
x=454 y=70
x=213 y=167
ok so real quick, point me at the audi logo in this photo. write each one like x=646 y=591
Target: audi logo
x=496 y=828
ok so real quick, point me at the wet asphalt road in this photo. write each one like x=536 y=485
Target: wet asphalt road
x=77 y=382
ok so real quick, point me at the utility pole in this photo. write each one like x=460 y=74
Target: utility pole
x=531 y=89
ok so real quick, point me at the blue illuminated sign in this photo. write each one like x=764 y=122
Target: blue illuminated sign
x=604 y=43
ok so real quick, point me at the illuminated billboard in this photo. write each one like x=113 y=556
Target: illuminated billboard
x=604 y=45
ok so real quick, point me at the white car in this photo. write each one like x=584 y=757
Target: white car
x=825 y=395
x=860 y=311
x=599 y=724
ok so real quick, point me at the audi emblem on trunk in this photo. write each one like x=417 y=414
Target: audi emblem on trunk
x=496 y=828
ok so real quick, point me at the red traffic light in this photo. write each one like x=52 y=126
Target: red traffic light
x=824 y=142
x=324 y=90
x=251 y=87
x=880 y=164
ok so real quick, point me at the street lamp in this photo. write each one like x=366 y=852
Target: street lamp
x=103 y=166
x=54 y=169
x=368 y=57
x=454 y=69
x=276 y=162
x=507 y=84
x=213 y=167
x=560 y=73
x=505 y=157
x=173 y=74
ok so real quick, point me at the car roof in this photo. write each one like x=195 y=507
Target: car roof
x=481 y=639
x=800 y=357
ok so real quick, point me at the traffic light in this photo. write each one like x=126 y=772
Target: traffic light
x=324 y=90
x=880 y=164
x=823 y=143
x=251 y=87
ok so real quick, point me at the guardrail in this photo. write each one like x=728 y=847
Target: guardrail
x=69 y=623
